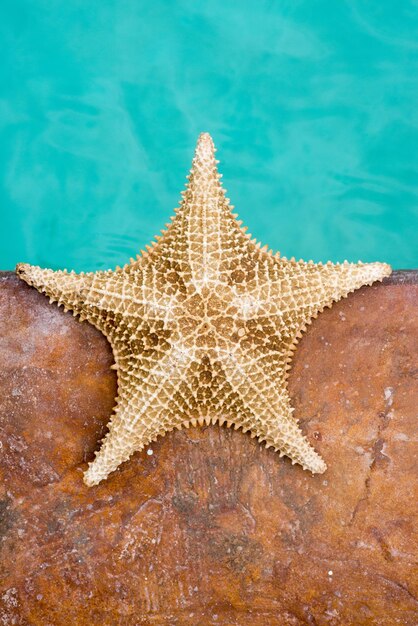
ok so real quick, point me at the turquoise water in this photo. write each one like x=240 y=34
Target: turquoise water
x=313 y=107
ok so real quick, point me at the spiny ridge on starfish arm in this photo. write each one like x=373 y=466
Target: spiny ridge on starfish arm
x=203 y=325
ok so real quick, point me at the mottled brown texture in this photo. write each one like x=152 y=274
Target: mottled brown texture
x=212 y=528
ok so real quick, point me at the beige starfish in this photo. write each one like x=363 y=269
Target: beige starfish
x=203 y=325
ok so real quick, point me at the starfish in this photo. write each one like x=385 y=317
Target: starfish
x=203 y=325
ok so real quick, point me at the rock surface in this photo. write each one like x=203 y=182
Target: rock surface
x=209 y=527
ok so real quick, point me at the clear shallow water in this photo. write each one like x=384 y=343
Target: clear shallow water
x=313 y=107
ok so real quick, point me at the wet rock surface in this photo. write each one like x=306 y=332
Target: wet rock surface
x=208 y=527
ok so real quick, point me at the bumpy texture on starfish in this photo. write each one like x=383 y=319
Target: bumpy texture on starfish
x=203 y=325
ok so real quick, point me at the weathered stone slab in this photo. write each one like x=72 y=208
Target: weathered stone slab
x=211 y=528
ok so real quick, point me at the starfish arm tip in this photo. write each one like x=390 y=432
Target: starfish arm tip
x=205 y=148
x=24 y=271
x=377 y=271
x=318 y=467
x=386 y=269
x=91 y=478
x=95 y=473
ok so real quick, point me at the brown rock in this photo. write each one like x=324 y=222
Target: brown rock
x=212 y=528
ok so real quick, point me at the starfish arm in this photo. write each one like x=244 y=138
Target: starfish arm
x=149 y=404
x=125 y=436
x=107 y=299
x=69 y=289
x=300 y=290
x=315 y=286
x=197 y=245
x=256 y=381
